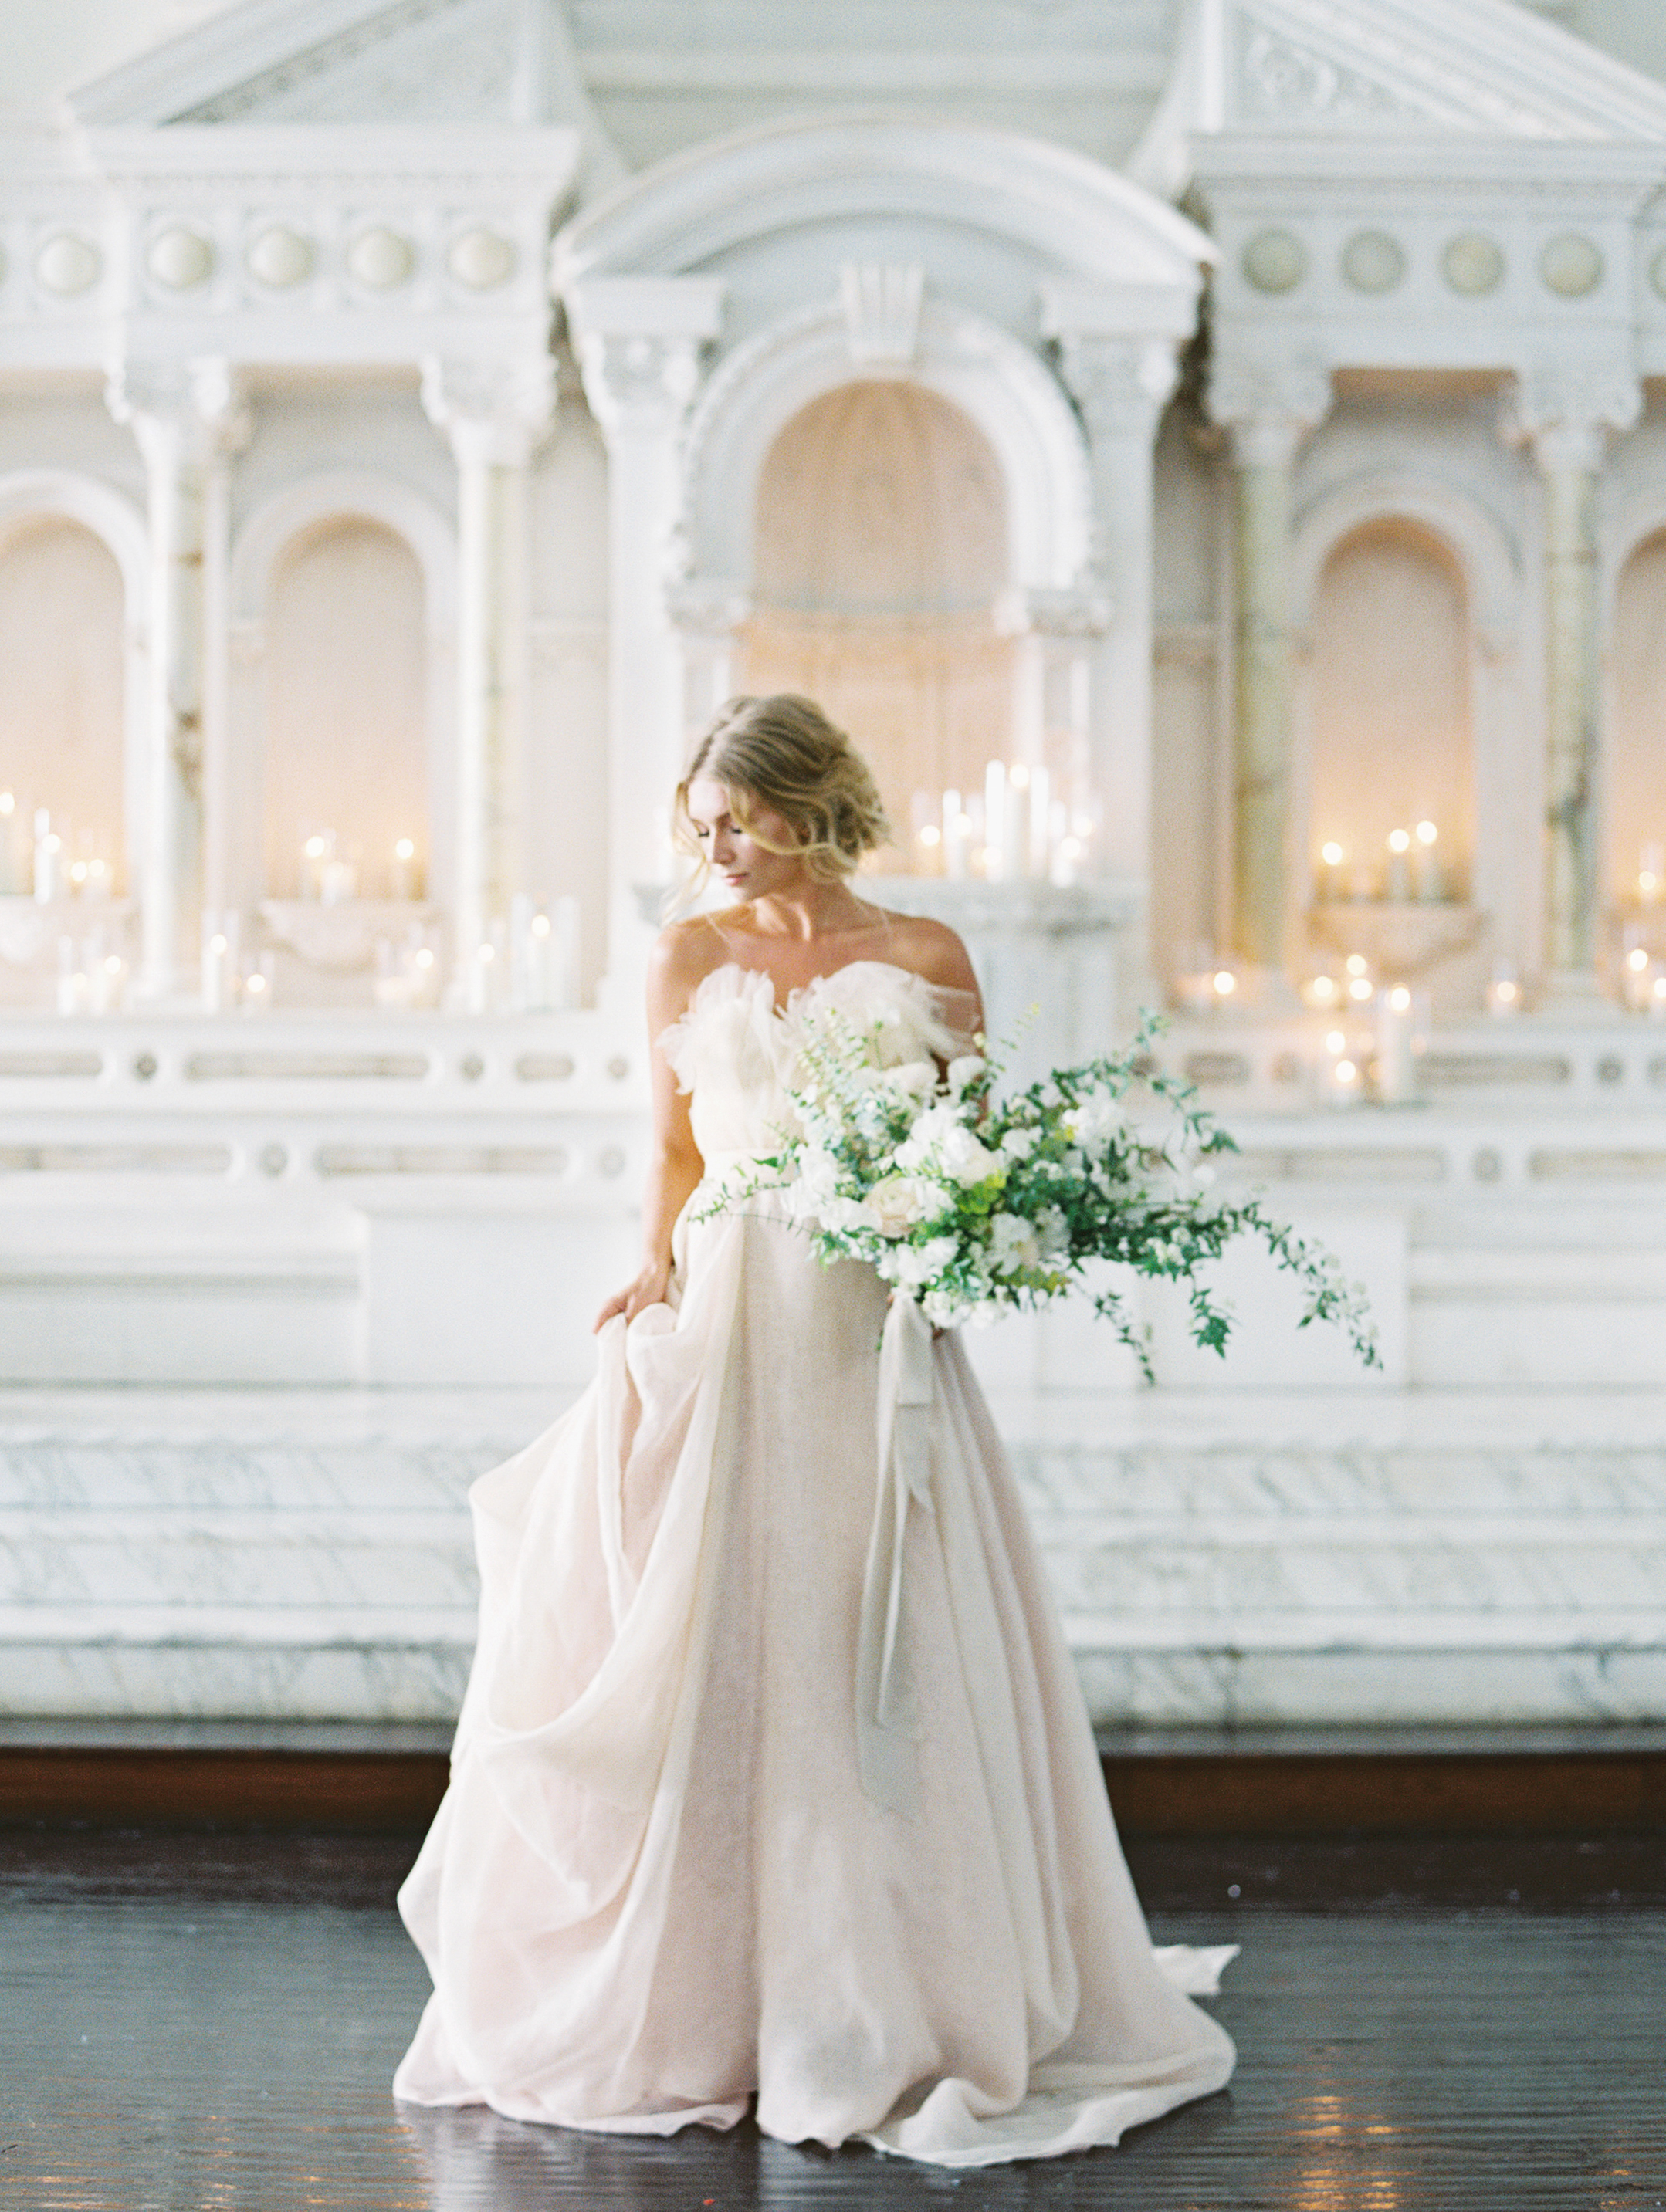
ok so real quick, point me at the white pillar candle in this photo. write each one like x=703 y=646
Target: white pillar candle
x=105 y=977
x=1340 y=1082
x=337 y=882
x=402 y=881
x=1428 y=879
x=48 y=858
x=1396 y=1065
x=11 y=875
x=1651 y=875
x=1040 y=856
x=956 y=835
x=1504 y=991
x=564 y=959
x=73 y=995
x=219 y=972
x=1398 y=883
x=994 y=820
x=1327 y=876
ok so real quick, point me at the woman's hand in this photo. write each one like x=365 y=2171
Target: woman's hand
x=649 y=1289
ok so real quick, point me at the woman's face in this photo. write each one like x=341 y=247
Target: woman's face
x=750 y=870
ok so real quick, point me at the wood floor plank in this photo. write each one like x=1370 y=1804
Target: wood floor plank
x=228 y=2040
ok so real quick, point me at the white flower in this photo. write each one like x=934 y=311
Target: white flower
x=927 y=1134
x=914 y=1079
x=911 y=1265
x=1013 y=1243
x=965 y=1069
x=966 y=1160
x=1053 y=1234
x=1096 y=1120
x=1018 y=1143
x=896 y=1205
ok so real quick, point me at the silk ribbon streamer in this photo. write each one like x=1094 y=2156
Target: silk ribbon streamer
x=887 y=1714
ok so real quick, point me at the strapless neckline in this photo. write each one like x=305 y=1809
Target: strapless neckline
x=800 y=990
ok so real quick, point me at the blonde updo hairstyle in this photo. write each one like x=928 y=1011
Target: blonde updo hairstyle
x=782 y=752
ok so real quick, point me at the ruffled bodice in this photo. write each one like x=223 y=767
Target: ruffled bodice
x=738 y=1053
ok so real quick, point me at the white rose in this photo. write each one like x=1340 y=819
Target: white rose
x=1096 y=1120
x=1018 y=1143
x=965 y=1069
x=915 y=1078
x=911 y=1265
x=965 y=1159
x=895 y=1206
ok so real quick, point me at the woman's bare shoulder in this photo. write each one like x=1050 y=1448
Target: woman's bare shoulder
x=933 y=950
x=684 y=953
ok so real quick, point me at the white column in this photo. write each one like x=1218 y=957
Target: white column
x=188 y=419
x=493 y=415
x=708 y=619
x=1566 y=422
x=639 y=340
x=1121 y=386
x=1267 y=421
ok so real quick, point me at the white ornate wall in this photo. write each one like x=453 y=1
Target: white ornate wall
x=290 y=285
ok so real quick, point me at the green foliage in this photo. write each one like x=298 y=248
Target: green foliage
x=977 y=1205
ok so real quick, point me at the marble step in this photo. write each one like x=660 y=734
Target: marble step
x=1461 y=1556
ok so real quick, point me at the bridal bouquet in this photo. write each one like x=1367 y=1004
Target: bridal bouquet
x=975 y=1205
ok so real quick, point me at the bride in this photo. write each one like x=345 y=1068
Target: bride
x=672 y=1872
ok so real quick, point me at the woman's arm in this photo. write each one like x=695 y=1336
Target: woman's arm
x=675 y=1167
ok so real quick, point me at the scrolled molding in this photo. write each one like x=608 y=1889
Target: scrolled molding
x=1565 y=416
x=1122 y=384
x=494 y=412
x=1269 y=408
x=184 y=413
x=641 y=343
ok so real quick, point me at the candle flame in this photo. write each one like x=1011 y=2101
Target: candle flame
x=315 y=848
x=1357 y=963
x=1506 y=991
x=1399 y=840
x=1400 y=998
x=1335 y=1042
x=1426 y=833
x=1332 y=854
x=1360 y=989
x=930 y=834
x=540 y=925
x=1637 y=960
x=1225 y=983
x=8 y=803
x=1347 y=1071
x=1324 y=988
x=404 y=850
x=425 y=958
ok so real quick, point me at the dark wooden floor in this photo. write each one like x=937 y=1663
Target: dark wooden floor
x=1425 y=2026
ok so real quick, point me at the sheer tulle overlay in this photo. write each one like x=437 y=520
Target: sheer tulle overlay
x=668 y=1874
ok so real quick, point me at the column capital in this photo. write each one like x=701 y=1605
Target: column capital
x=1566 y=414
x=1121 y=384
x=186 y=410
x=494 y=412
x=1268 y=408
x=640 y=342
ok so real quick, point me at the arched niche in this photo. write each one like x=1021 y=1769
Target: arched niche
x=1410 y=642
x=346 y=752
x=881 y=548
x=1634 y=782
x=1392 y=709
x=62 y=700
x=73 y=573
x=343 y=638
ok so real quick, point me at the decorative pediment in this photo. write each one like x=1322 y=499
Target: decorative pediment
x=362 y=62
x=1341 y=69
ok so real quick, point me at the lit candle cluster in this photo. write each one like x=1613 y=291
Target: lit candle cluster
x=41 y=857
x=330 y=873
x=1015 y=829
x=91 y=974
x=1379 y=1063
x=230 y=979
x=527 y=965
x=1410 y=869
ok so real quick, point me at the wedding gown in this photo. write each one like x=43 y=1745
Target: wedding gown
x=773 y=1775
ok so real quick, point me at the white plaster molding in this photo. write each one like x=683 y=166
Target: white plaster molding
x=1073 y=216
x=1269 y=408
x=111 y=516
x=1278 y=69
x=191 y=411
x=759 y=386
x=882 y=315
x=332 y=496
x=1566 y=414
x=495 y=413
x=1486 y=556
x=640 y=342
